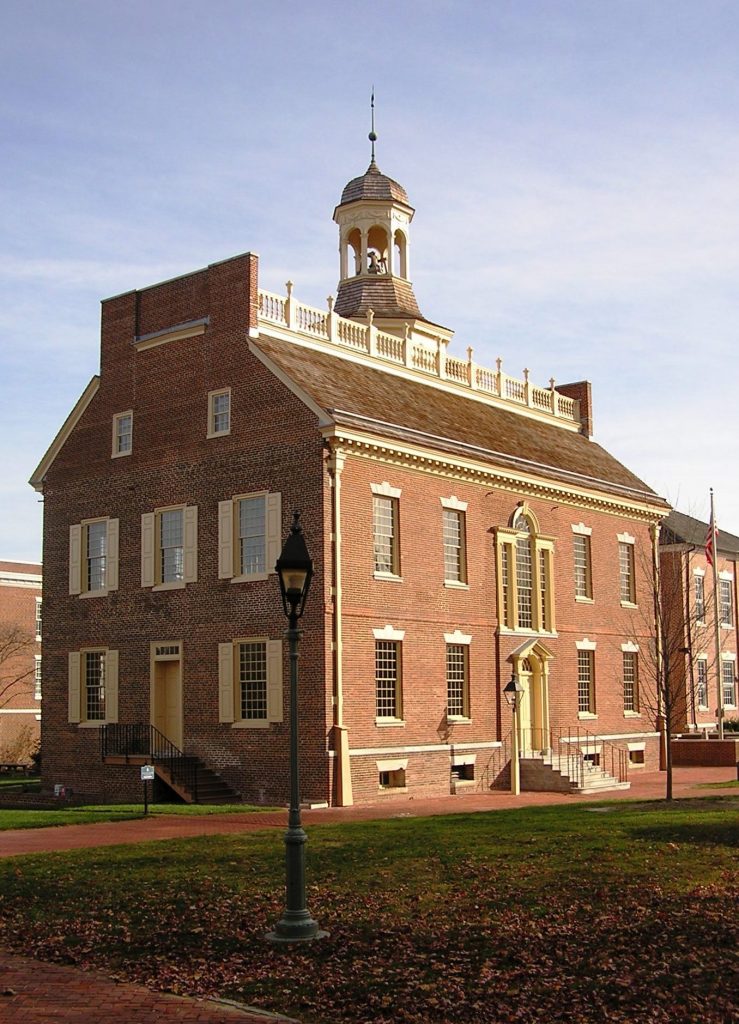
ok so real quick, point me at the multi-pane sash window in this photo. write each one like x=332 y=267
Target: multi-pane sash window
x=39 y=619
x=524 y=580
x=95 y=555
x=94 y=681
x=583 y=578
x=388 y=678
x=525 y=575
x=172 y=545
x=385 y=530
x=586 y=682
x=725 y=603
x=727 y=684
x=122 y=433
x=700 y=597
x=457 y=680
x=252 y=535
x=253 y=680
x=454 y=545
x=219 y=412
x=631 y=681
x=37 y=677
x=702 y=682
x=626 y=572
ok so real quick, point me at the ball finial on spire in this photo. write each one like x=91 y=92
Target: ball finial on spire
x=373 y=135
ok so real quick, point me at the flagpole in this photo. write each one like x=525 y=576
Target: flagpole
x=716 y=623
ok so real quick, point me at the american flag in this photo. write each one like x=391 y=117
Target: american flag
x=711 y=536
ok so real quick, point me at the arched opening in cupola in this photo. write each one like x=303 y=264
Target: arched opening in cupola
x=400 y=254
x=377 y=250
x=352 y=255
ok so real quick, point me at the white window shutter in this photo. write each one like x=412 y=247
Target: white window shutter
x=274 y=680
x=73 y=679
x=111 y=566
x=148 y=552
x=225 y=540
x=274 y=529
x=225 y=683
x=75 y=559
x=111 y=686
x=191 y=543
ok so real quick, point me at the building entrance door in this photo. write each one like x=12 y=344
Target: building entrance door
x=533 y=714
x=166 y=696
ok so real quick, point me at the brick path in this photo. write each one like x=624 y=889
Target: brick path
x=32 y=992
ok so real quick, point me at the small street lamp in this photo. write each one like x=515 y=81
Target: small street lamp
x=513 y=692
x=295 y=572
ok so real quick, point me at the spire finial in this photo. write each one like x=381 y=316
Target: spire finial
x=372 y=135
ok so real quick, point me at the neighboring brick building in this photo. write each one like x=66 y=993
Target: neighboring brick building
x=462 y=523
x=20 y=660
x=699 y=678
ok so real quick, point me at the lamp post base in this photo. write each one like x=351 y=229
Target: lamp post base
x=295 y=927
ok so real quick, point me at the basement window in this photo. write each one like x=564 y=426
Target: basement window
x=393 y=779
x=463 y=772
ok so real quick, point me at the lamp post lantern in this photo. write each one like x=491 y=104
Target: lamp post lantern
x=513 y=692
x=295 y=572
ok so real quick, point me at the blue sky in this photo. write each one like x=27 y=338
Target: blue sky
x=573 y=165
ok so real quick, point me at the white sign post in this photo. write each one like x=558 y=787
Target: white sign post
x=147 y=776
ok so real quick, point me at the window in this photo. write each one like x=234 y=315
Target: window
x=583 y=574
x=122 y=434
x=463 y=770
x=636 y=756
x=385 y=533
x=699 y=597
x=701 y=694
x=725 y=603
x=250 y=682
x=93 y=686
x=586 y=682
x=93 y=557
x=388 y=680
x=394 y=779
x=37 y=677
x=631 y=682
x=626 y=570
x=38 y=618
x=525 y=575
x=219 y=412
x=249 y=542
x=169 y=547
x=728 y=697
x=457 y=680
x=454 y=538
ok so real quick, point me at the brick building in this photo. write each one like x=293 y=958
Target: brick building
x=20 y=660
x=463 y=524
x=701 y=678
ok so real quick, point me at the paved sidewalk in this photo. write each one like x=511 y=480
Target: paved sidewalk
x=33 y=992
x=644 y=786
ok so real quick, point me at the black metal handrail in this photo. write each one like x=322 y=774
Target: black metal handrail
x=576 y=747
x=144 y=740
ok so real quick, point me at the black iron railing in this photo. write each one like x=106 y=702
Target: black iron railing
x=578 y=751
x=142 y=740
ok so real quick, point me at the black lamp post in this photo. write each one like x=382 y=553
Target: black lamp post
x=513 y=692
x=295 y=572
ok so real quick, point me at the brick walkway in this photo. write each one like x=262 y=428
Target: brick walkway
x=32 y=992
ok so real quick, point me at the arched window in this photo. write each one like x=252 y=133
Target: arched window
x=525 y=574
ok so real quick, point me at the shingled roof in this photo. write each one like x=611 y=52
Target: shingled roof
x=390 y=405
x=373 y=184
x=681 y=529
x=385 y=296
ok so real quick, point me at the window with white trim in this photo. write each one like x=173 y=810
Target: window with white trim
x=699 y=596
x=249 y=536
x=250 y=682
x=93 y=557
x=169 y=547
x=586 y=681
x=457 y=680
x=454 y=514
x=93 y=686
x=388 y=680
x=631 y=681
x=701 y=685
x=219 y=412
x=122 y=434
x=627 y=581
x=725 y=603
x=37 y=677
x=525 y=575
x=385 y=516
x=728 y=683
x=39 y=617
x=583 y=572
x=391 y=773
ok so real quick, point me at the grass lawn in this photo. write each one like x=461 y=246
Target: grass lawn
x=110 y=812
x=577 y=913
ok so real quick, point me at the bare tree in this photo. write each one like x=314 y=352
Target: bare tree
x=17 y=647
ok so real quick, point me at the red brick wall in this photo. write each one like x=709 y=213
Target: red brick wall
x=690 y=753
x=19 y=728
x=273 y=445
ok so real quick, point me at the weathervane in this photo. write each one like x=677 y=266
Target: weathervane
x=373 y=135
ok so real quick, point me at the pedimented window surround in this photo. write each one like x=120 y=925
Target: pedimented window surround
x=388 y=633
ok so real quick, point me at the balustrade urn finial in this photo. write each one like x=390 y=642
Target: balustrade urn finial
x=330 y=303
x=289 y=287
x=526 y=374
x=499 y=364
x=551 y=383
